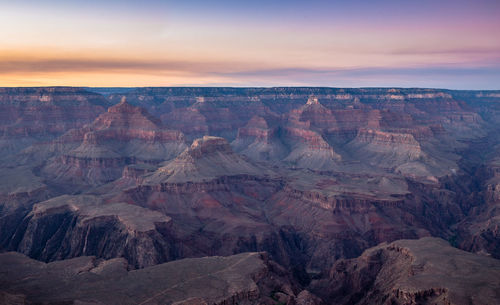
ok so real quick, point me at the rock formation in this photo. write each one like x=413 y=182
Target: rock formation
x=248 y=278
x=206 y=159
x=73 y=226
x=424 y=271
x=312 y=177
x=31 y=115
x=259 y=142
x=124 y=135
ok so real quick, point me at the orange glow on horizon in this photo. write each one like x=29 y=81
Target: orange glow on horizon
x=58 y=46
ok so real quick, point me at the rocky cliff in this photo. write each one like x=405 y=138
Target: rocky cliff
x=31 y=115
x=124 y=135
x=73 y=226
x=424 y=271
x=259 y=141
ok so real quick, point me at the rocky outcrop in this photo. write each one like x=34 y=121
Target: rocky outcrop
x=31 y=115
x=205 y=117
x=248 y=278
x=124 y=135
x=387 y=148
x=188 y=120
x=259 y=142
x=20 y=189
x=213 y=192
x=426 y=159
x=424 y=271
x=72 y=226
x=480 y=231
x=350 y=120
x=206 y=159
x=310 y=150
x=316 y=114
x=234 y=205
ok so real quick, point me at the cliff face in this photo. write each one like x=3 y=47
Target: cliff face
x=67 y=227
x=424 y=271
x=124 y=135
x=309 y=149
x=336 y=116
x=19 y=190
x=211 y=117
x=480 y=231
x=386 y=149
x=259 y=141
x=30 y=115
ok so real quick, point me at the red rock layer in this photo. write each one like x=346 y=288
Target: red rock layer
x=124 y=135
x=28 y=115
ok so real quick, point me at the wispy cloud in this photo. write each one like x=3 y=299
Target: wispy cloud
x=424 y=50
x=435 y=77
x=133 y=72
x=102 y=65
x=370 y=71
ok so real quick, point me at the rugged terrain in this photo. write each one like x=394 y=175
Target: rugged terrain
x=310 y=176
x=424 y=271
x=239 y=279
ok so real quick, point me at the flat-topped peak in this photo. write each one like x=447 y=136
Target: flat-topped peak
x=207 y=158
x=312 y=100
x=207 y=140
x=209 y=145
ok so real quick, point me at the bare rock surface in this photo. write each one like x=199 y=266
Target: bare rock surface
x=72 y=226
x=424 y=271
x=31 y=115
x=124 y=135
x=259 y=141
x=246 y=278
x=206 y=159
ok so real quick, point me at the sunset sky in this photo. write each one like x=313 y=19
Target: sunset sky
x=446 y=44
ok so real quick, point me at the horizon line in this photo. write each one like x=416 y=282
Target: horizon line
x=246 y=87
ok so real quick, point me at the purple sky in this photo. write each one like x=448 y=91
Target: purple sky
x=445 y=44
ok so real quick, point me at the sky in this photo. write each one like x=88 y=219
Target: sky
x=451 y=44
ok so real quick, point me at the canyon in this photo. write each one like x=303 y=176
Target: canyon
x=249 y=196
